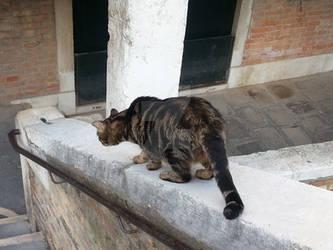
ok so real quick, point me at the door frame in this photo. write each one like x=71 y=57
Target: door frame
x=240 y=28
x=65 y=59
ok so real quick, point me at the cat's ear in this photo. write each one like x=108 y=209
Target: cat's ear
x=100 y=125
x=113 y=112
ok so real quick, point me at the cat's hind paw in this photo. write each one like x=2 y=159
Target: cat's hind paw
x=204 y=174
x=174 y=177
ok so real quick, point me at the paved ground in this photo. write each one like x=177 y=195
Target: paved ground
x=261 y=117
x=11 y=189
x=279 y=114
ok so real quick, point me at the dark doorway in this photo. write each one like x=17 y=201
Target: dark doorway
x=90 y=20
x=208 y=42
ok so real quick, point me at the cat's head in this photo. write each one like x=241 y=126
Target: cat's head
x=112 y=130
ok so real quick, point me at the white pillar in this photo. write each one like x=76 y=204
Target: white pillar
x=145 y=49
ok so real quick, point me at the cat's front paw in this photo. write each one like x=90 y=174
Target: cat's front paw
x=154 y=165
x=139 y=159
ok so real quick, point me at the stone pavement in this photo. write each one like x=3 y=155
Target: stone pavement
x=11 y=188
x=278 y=114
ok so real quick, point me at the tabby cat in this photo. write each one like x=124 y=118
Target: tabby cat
x=181 y=131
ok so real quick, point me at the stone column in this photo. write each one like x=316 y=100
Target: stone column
x=145 y=49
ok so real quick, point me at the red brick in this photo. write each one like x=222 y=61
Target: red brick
x=13 y=85
x=52 y=85
x=46 y=80
x=15 y=96
x=28 y=49
x=5 y=27
x=26 y=12
x=282 y=30
x=261 y=30
x=319 y=47
x=12 y=78
x=47 y=56
x=51 y=73
x=32 y=87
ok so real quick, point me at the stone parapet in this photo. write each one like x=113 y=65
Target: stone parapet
x=279 y=213
x=301 y=163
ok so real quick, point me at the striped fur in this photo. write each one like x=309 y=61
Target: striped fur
x=181 y=131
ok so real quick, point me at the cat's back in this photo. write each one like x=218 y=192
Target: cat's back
x=184 y=112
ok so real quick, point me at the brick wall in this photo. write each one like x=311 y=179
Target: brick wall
x=284 y=29
x=70 y=219
x=28 y=65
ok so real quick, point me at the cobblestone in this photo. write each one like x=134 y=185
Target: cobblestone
x=296 y=135
x=281 y=116
x=254 y=118
x=11 y=195
x=249 y=148
x=314 y=125
x=278 y=114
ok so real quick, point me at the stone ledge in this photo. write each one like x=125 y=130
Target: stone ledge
x=301 y=163
x=279 y=213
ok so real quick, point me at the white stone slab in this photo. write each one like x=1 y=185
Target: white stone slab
x=305 y=162
x=279 y=70
x=26 y=118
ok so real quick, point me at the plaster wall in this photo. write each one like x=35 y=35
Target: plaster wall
x=144 y=50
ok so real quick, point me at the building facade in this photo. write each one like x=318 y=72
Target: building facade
x=75 y=56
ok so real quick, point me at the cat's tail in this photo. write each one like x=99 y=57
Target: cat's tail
x=215 y=149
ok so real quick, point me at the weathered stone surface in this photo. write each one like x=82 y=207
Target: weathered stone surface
x=326 y=107
x=314 y=125
x=278 y=105
x=72 y=220
x=296 y=135
x=250 y=147
x=260 y=96
x=253 y=118
x=26 y=118
x=235 y=128
x=300 y=163
x=281 y=115
x=11 y=194
x=272 y=137
x=144 y=50
x=279 y=213
x=300 y=107
x=324 y=135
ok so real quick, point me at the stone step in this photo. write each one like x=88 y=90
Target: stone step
x=13 y=219
x=29 y=241
x=35 y=245
x=13 y=226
